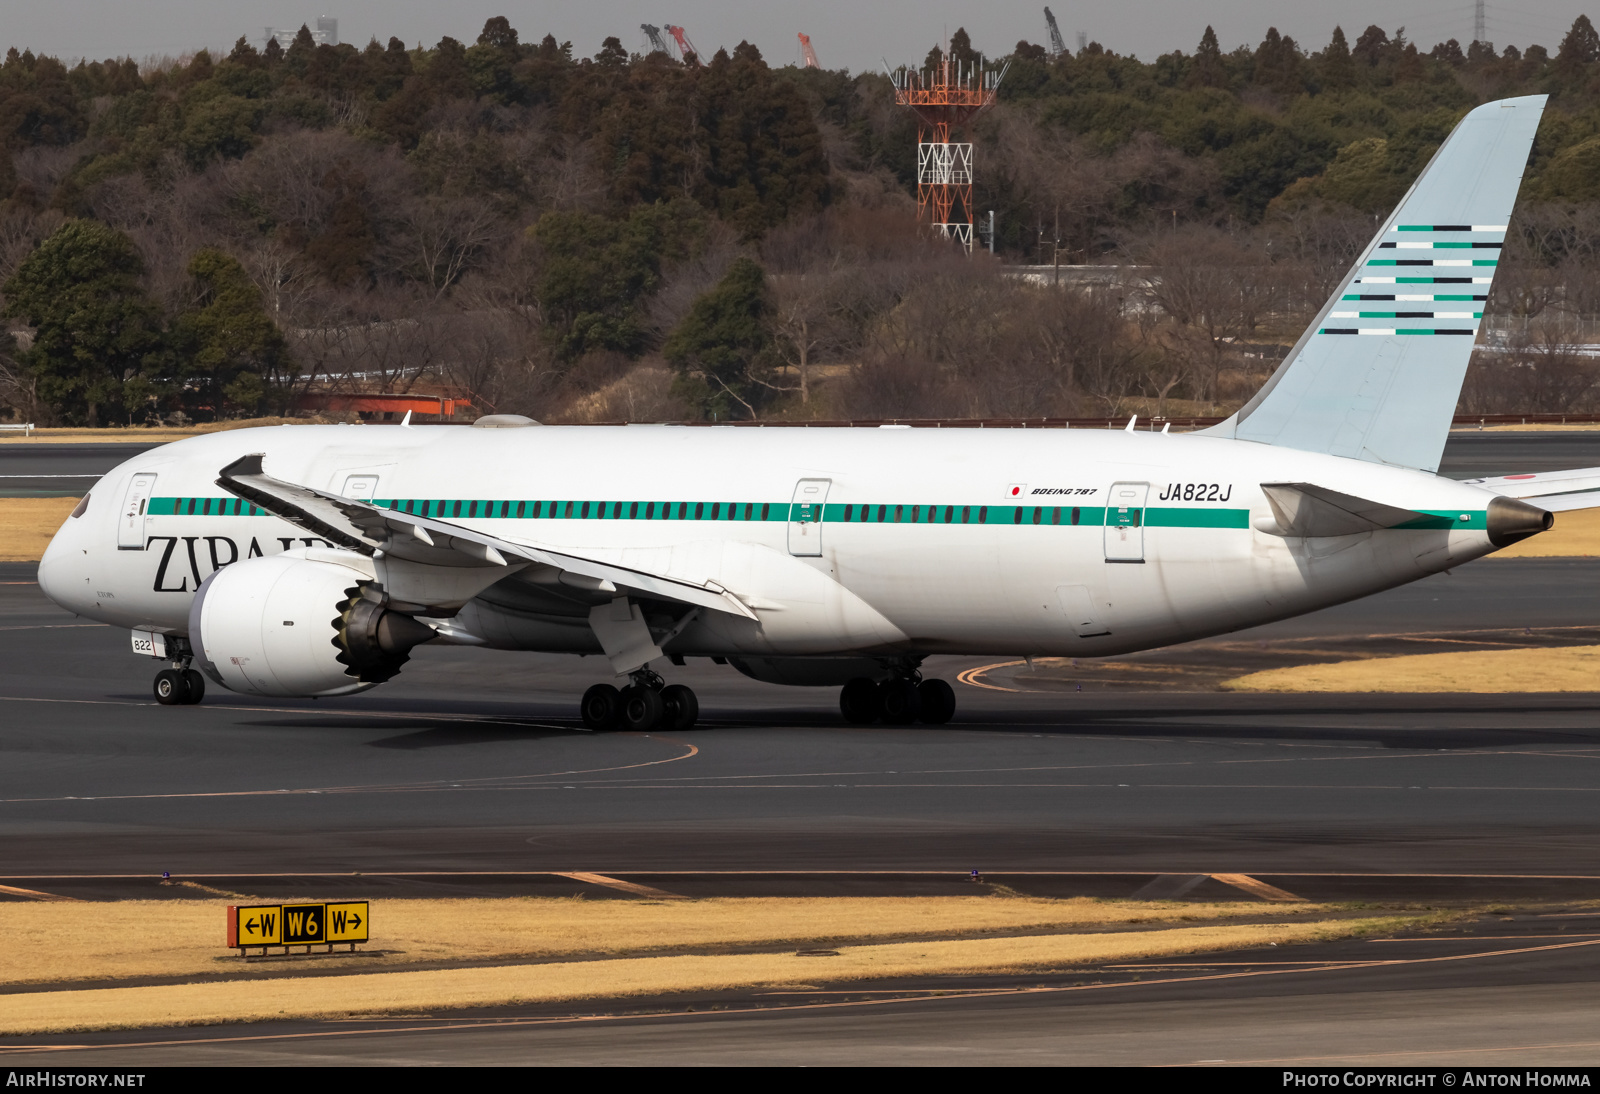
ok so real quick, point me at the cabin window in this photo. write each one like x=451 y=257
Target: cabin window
x=699 y=508
x=949 y=514
x=1075 y=514
x=1055 y=515
x=569 y=509
x=521 y=508
x=1016 y=515
x=966 y=514
x=472 y=508
x=1038 y=514
x=766 y=507
x=983 y=514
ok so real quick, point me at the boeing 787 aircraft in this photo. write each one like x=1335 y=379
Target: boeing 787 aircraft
x=310 y=560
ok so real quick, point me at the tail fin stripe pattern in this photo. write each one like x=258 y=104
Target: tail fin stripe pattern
x=1387 y=393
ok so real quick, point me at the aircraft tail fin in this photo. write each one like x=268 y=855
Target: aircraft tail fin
x=1376 y=376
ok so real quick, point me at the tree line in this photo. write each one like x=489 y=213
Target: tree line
x=632 y=236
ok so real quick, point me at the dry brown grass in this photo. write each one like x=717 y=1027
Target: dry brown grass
x=1569 y=668
x=1576 y=534
x=52 y=942
x=26 y=525
x=191 y=1004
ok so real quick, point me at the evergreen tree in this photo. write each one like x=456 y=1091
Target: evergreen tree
x=1579 y=49
x=97 y=336
x=1208 y=70
x=1337 y=71
x=724 y=344
x=228 y=352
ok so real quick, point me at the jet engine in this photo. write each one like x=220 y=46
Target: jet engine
x=289 y=625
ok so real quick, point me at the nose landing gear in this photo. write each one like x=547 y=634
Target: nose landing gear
x=179 y=687
x=647 y=703
x=899 y=701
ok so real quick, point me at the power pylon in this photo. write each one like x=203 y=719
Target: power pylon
x=1479 y=33
x=945 y=98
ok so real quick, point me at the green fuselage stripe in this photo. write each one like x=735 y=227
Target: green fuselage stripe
x=784 y=512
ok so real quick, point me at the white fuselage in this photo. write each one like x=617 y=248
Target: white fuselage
x=1167 y=545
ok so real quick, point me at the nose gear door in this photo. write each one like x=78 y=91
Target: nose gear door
x=805 y=516
x=1125 y=521
x=130 y=525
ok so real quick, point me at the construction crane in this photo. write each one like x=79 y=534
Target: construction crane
x=685 y=47
x=807 y=53
x=1057 y=45
x=657 y=43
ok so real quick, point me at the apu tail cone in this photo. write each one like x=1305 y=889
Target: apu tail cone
x=1511 y=520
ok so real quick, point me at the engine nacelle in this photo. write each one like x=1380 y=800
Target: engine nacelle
x=288 y=625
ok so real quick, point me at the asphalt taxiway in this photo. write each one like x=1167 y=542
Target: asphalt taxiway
x=470 y=774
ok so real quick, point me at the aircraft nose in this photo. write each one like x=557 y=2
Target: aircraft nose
x=60 y=576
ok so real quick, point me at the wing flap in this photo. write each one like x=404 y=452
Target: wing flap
x=367 y=528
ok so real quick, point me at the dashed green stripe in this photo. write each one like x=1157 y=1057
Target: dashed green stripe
x=770 y=512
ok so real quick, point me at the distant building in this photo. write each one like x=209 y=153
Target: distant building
x=325 y=32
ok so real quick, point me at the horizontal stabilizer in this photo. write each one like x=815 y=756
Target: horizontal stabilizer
x=1376 y=376
x=1552 y=491
x=368 y=528
x=1303 y=509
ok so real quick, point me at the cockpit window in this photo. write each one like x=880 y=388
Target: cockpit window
x=81 y=508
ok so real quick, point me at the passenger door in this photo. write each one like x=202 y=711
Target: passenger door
x=1125 y=521
x=805 y=516
x=135 y=504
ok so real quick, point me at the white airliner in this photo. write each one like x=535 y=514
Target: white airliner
x=309 y=560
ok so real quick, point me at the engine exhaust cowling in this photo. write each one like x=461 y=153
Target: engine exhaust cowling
x=287 y=625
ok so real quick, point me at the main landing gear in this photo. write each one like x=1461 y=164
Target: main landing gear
x=179 y=687
x=647 y=703
x=899 y=701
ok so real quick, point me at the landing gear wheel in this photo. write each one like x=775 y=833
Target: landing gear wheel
x=196 y=685
x=601 y=706
x=683 y=709
x=859 y=702
x=938 y=702
x=641 y=708
x=171 y=688
x=901 y=702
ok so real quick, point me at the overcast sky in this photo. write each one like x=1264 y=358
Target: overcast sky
x=845 y=34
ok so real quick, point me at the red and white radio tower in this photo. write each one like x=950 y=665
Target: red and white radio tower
x=946 y=97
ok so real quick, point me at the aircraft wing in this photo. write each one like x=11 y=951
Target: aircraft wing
x=1553 y=491
x=367 y=528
